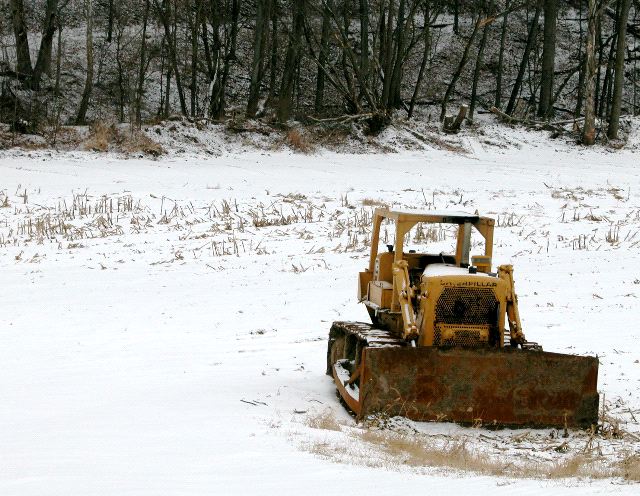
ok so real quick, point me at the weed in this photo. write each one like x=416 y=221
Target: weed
x=630 y=467
x=298 y=142
x=370 y=202
x=324 y=420
x=100 y=135
x=138 y=142
x=103 y=137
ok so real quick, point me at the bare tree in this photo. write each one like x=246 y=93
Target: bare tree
x=259 y=48
x=426 y=35
x=143 y=64
x=531 y=37
x=164 y=13
x=322 y=58
x=545 y=109
x=589 y=129
x=218 y=100
x=616 y=99
x=503 y=37
x=366 y=58
x=476 y=70
x=81 y=118
x=291 y=60
x=461 y=65
x=23 y=66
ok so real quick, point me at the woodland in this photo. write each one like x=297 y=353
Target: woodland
x=79 y=62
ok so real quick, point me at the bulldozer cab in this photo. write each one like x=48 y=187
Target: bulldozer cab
x=376 y=284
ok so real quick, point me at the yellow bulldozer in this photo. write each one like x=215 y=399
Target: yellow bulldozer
x=446 y=343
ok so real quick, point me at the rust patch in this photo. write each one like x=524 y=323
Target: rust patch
x=501 y=387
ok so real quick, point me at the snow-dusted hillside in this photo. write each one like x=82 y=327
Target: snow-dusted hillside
x=163 y=323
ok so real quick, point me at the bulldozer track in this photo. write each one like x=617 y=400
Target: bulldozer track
x=367 y=334
x=352 y=337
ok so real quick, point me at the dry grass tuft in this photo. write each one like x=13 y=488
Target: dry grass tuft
x=100 y=135
x=333 y=138
x=419 y=451
x=298 y=142
x=388 y=449
x=325 y=420
x=579 y=465
x=370 y=202
x=138 y=142
x=103 y=137
x=630 y=467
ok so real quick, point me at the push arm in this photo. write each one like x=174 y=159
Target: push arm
x=505 y=272
x=405 y=295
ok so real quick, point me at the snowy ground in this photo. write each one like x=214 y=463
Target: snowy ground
x=163 y=323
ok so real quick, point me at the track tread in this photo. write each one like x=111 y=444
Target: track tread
x=367 y=334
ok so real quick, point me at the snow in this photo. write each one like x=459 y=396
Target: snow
x=174 y=340
x=434 y=270
x=343 y=375
x=437 y=213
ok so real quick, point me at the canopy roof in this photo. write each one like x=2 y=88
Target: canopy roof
x=434 y=216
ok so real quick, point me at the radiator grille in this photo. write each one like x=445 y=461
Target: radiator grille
x=458 y=336
x=464 y=339
x=467 y=306
x=462 y=307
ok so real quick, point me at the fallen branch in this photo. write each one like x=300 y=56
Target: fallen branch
x=568 y=121
x=343 y=118
x=552 y=126
x=507 y=117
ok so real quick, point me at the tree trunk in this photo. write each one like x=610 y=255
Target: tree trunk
x=395 y=100
x=352 y=99
x=194 y=25
x=545 y=109
x=142 y=68
x=56 y=89
x=218 y=98
x=459 y=69
x=364 y=39
x=456 y=12
x=387 y=62
x=322 y=59
x=476 y=71
x=503 y=37
x=258 y=57
x=110 y=16
x=43 y=62
x=589 y=130
x=616 y=100
x=81 y=118
x=167 y=92
x=291 y=61
x=120 y=73
x=213 y=52
x=425 y=58
x=583 y=64
x=273 y=69
x=605 y=94
x=165 y=17
x=23 y=67
x=601 y=48
x=531 y=37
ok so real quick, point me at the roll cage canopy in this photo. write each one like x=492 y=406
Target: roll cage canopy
x=407 y=219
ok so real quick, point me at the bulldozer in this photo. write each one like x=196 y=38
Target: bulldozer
x=445 y=342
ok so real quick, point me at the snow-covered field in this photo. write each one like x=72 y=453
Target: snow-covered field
x=163 y=323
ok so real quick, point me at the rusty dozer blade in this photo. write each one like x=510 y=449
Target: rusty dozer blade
x=507 y=387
